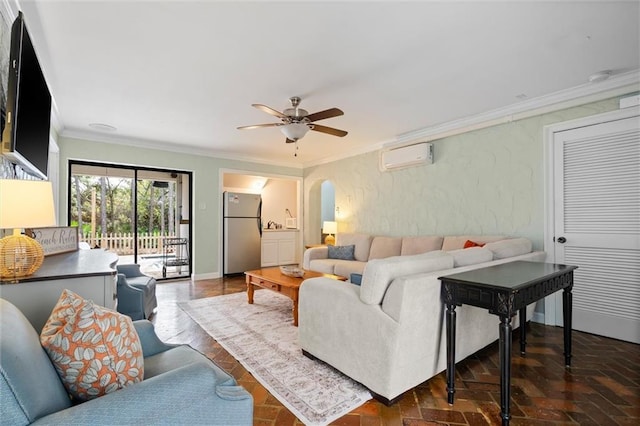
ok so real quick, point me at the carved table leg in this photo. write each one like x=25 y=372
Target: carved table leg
x=451 y=352
x=505 y=368
x=523 y=330
x=567 y=307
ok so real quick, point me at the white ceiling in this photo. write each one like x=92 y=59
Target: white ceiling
x=183 y=74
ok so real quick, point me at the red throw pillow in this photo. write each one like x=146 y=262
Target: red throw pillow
x=470 y=243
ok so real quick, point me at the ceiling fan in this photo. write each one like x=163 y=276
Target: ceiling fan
x=296 y=122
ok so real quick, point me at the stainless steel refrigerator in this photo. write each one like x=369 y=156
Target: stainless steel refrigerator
x=242 y=232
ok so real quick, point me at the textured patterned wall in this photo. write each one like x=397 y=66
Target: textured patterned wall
x=12 y=171
x=488 y=181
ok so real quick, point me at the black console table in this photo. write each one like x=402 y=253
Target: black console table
x=504 y=290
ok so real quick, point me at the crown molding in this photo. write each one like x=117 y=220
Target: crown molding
x=164 y=146
x=580 y=95
x=590 y=92
x=359 y=150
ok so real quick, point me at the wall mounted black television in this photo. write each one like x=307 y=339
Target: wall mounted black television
x=27 y=114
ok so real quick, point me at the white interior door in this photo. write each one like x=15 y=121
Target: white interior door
x=597 y=224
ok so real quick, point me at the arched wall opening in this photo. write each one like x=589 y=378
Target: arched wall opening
x=321 y=208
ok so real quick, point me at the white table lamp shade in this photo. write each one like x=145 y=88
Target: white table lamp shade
x=330 y=227
x=26 y=204
x=23 y=204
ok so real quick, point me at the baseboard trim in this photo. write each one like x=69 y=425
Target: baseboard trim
x=209 y=276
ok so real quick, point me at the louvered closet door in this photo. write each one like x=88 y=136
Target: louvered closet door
x=597 y=212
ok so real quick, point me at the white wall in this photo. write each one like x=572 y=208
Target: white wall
x=328 y=198
x=488 y=181
x=277 y=196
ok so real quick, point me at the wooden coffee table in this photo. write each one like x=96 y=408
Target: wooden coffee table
x=273 y=279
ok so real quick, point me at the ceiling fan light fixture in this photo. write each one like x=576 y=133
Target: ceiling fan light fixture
x=294 y=131
x=296 y=122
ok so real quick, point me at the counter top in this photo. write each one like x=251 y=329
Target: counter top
x=281 y=230
x=79 y=263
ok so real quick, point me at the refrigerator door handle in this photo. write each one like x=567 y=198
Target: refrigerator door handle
x=260 y=217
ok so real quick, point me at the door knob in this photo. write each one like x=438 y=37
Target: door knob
x=562 y=240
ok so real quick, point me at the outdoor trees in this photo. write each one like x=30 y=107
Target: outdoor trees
x=104 y=205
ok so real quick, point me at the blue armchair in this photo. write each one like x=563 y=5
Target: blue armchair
x=136 y=292
x=180 y=386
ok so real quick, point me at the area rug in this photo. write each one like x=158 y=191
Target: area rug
x=262 y=337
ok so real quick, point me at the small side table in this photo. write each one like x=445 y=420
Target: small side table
x=308 y=246
x=504 y=290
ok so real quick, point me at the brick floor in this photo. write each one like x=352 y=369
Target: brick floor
x=601 y=388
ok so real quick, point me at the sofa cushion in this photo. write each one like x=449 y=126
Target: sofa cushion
x=423 y=244
x=361 y=241
x=457 y=242
x=141 y=282
x=509 y=248
x=379 y=273
x=382 y=247
x=345 y=268
x=29 y=385
x=341 y=252
x=94 y=349
x=325 y=266
x=471 y=256
x=179 y=357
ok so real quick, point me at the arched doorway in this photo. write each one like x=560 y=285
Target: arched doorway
x=322 y=201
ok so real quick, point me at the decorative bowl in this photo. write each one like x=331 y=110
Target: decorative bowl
x=292 y=271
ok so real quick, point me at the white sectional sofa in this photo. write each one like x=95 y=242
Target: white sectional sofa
x=368 y=247
x=389 y=332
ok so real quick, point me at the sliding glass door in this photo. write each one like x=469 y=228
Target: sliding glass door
x=141 y=214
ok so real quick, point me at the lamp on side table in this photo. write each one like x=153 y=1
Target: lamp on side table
x=23 y=204
x=330 y=228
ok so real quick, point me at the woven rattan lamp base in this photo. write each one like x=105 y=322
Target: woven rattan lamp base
x=20 y=256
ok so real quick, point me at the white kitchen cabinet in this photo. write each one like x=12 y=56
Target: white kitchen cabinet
x=279 y=248
x=269 y=252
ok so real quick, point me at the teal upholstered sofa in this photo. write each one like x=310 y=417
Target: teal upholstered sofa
x=181 y=386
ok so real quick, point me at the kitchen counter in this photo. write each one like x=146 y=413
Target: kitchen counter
x=281 y=230
x=89 y=273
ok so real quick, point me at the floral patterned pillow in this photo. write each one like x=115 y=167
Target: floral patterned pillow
x=94 y=349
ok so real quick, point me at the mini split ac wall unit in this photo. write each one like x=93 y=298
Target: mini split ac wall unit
x=406 y=156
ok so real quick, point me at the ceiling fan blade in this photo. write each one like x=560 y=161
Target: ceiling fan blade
x=269 y=110
x=329 y=130
x=289 y=140
x=327 y=113
x=255 y=126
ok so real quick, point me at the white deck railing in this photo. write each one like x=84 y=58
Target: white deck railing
x=123 y=243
